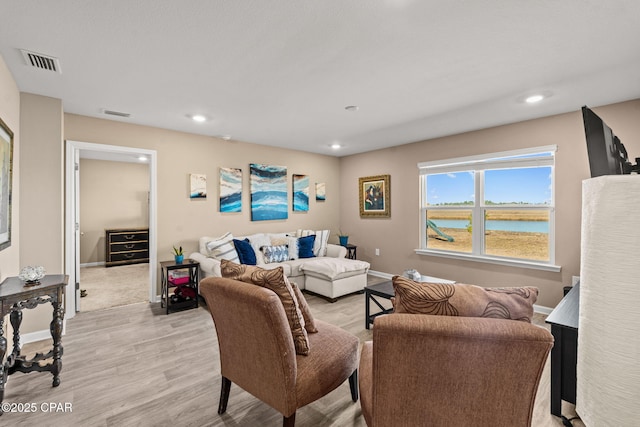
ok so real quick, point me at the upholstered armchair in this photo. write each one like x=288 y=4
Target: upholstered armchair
x=426 y=370
x=257 y=350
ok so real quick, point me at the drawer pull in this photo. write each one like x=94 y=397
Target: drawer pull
x=130 y=245
x=129 y=236
x=129 y=255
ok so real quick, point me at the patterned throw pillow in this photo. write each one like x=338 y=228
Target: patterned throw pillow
x=276 y=281
x=222 y=248
x=309 y=322
x=275 y=253
x=463 y=300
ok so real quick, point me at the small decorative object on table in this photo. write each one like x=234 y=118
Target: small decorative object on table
x=178 y=254
x=344 y=238
x=413 y=274
x=32 y=275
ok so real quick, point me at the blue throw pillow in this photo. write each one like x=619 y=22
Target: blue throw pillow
x=305 y=246
x=246 y=255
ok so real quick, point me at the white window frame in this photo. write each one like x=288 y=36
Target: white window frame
x=480 y=163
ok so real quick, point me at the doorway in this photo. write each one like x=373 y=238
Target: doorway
x=76 y=150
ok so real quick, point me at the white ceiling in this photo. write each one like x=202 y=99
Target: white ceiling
x=280 y=72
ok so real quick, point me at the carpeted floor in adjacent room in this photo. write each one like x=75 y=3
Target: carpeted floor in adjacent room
x=114 y=286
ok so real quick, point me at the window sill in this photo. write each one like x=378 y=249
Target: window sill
x=491 y=260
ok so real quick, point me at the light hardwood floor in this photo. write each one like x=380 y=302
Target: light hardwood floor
x=135 y=366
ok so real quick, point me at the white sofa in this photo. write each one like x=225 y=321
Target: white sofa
x=297 y=270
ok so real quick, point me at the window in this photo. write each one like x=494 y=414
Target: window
x=494 y=208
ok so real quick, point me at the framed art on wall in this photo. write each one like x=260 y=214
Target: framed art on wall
x=321 y=194
x=268 y=192
x=198 y=186
x=6 y=175
x=300 y=193
x=230 y=190
x=375 y=196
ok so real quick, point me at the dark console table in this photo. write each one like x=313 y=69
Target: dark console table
x=16 y=296
x=564 y=355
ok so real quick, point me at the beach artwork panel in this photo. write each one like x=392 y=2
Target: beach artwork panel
x=230 y=190
x=268 y=192
x=300 y=193
x=321 y=194
x=198 y=186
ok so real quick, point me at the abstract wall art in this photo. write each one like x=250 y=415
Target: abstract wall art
x=230 y=190
x=268 y=192
x=300 y=193
x=321 y=194
x=198 y=186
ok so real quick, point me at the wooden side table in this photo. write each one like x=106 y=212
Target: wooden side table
x=15 y=296
x=173 y=302
x=351 y=250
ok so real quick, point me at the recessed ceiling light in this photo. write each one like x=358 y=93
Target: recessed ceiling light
x=142 y=158
x=225 y=137
x=352 y=108
x=533 y=99
x=336 y=146
x=198 y=118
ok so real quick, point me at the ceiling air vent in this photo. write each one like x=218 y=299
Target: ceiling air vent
x=116 y=113
x=43 y=62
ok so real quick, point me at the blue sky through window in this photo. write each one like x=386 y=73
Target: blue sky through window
x=520 y=185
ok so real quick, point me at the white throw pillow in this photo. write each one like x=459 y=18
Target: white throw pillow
x=292 y=243
x=320 y=244
x=223 y=248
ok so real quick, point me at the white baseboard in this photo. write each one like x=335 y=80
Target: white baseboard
x=44 y=334
x=92 y=264
x=536 y=308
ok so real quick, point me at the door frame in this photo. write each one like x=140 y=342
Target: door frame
x=75 y=149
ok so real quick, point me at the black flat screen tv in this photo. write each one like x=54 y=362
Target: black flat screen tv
x=607 y=155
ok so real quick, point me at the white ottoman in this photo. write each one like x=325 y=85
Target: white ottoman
x=334 y=277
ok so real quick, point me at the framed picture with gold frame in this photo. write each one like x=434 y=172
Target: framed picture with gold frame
x=375 y=196
x=6 y=175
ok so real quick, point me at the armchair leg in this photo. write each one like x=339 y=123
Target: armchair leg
x=289 y=421
x=353 y=384
x=224 y=395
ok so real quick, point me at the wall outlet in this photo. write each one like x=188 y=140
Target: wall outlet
x=575 y=280
x=377 y=252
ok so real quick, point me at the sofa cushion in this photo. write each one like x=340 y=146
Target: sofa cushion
x=246 y=255
x=334 y=268
x=275 y=280
x=305 y=246
x=463 y=300
x=222 y=248
x=278 y=253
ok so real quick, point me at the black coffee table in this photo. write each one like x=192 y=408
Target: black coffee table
x=381 y=290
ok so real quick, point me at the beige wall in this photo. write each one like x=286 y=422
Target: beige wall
x=112 y=195
x=181 y=220
x=42 y=193
x=398 y=236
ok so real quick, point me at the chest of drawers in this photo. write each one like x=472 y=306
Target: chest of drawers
x=126 y=246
